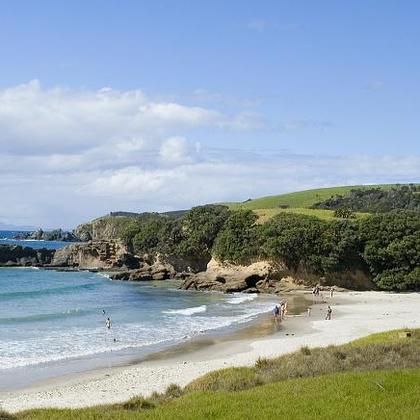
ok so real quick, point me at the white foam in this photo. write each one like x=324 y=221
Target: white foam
x=240 y=298
x=187 y=311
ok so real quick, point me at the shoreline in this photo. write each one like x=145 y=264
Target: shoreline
x=355 y=314
x=260 y=326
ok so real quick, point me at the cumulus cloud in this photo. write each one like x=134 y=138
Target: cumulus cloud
x=34 y=120
x=175 y=150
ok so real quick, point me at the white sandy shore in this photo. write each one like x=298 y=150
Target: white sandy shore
x=355 y=314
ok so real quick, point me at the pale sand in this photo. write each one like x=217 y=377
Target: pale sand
x=355 y=314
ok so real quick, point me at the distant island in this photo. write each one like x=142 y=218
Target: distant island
x=51 y=235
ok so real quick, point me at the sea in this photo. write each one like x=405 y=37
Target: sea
x=54 y=323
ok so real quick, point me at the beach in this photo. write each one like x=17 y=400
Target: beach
x=355 y=314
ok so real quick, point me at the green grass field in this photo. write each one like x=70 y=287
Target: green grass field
x=300 y=199
x=376 y=377
x=267 y=214
x=368 y=395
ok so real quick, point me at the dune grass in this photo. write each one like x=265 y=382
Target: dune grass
x=300 y=199
x=353 y=380
x=350 y=395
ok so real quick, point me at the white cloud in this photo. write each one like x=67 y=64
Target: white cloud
x=175 y=150
x=35 y=120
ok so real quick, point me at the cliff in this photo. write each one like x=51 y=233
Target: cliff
x=101 y=255
x=103 y=229
x=266 y=277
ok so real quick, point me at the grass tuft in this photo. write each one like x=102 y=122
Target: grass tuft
x=305 y=350
x=138 y=403
x=6 y=416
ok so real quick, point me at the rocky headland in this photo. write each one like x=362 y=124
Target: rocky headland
x=113 y=257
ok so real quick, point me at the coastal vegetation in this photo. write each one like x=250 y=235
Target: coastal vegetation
x=385 y=246
x=375 y=200
x=377 y=376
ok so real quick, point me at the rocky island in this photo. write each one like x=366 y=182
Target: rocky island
x=52 y=235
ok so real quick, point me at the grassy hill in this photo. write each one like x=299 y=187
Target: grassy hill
x=301 y=199
x=300 y=202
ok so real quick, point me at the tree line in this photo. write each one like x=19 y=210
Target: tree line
x=386 y=246
x=375 y=200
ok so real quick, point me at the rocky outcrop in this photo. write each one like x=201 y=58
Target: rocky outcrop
x=52 y=235
x=18 y=256
x=100 y=255
x=105 y=228
x=146 y=272
x=254 y=278
x=266 y=277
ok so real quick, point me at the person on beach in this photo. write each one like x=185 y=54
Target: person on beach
x=103 y=311
x=108 y=323
x=276 y=313
x=329 y=312
x=331 y=292
x=309 y=311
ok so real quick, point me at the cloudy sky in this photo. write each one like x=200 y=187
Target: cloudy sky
x=162 y=105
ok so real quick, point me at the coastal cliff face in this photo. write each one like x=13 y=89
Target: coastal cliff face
x=18 y=256
x=103 y=229
x=266 y=277
x=113 y=256
x=99 y=255
x=257 y=277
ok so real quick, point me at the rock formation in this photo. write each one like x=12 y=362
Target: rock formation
x=18 y=256
x=53 y=235
x=100 y=255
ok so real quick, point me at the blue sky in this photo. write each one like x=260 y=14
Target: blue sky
x=157 y=105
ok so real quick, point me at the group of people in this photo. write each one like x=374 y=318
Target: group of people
x=316 y=291
x=280 y=311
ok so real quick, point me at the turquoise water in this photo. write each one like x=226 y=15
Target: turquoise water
x=6 y=237
x=51 y=317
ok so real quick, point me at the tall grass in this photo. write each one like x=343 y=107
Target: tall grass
x=311 y=377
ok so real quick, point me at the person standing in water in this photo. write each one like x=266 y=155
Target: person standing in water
x=332 y=292
x=108 y=323
x=276 y=313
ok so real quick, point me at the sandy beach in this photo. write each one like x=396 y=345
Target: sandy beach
x=355 y=314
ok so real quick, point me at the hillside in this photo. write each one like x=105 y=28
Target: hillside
x=301 y=199
x=311 y=202
x=377 y=377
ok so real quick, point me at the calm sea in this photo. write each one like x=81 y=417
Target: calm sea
x=51 y=320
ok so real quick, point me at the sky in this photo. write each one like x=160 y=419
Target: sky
x=163 y=105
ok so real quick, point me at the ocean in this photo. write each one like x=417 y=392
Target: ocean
x=52 y=322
